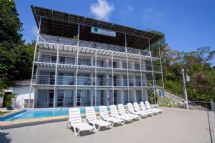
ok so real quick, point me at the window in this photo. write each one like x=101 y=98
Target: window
x=53 y=59
x=138 y=81
x=114 y=65
x=84 y=79
x=62 y=60
x=136 y=66
x=86 y=62
x=124 y=65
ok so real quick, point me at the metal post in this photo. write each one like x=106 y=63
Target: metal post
x=126 y=50
x=184 y=89
x=112 y=79
x=56 y=75
x=32 y=72
x=162 y=79
x=153 y=76
x=95 y=78
x=141 y=73
x=76 y=71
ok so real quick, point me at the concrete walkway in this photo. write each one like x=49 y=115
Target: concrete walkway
x=173 y=126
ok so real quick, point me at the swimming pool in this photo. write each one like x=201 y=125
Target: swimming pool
x=41 y=113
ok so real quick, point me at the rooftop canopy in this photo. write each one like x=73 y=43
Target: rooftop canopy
x=66 y=25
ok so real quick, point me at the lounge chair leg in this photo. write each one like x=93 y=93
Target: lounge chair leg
x=96 y=130
x=67 y=125
x=75 y=132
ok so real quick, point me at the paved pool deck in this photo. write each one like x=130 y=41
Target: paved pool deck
x=172 y=126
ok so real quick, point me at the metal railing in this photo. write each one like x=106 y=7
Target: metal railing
x=84 y=80
x=51 y=58
x=82 y=43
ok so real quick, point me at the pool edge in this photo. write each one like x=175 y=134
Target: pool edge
x=13 y=113
x=30 y=122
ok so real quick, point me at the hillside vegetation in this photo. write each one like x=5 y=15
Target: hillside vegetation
x=198 y=65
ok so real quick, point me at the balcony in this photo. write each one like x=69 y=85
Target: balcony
x=103 y=64
x=86 y=80
x=90 y=44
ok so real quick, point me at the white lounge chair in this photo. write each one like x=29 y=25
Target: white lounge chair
x=143 y=107
x=123 y=112
x=137 y=108
x=77 y=123
x=104 y=115
x=92 y=119
x=155 y=112
x=153 y=105
x=148 y=106
x=114 y=113
x=132 y=111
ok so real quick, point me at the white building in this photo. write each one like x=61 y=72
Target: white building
x=80 y=61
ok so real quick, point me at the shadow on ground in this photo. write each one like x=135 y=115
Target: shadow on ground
x=4 y=138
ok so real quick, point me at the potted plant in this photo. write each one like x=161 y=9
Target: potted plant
x=8 y=101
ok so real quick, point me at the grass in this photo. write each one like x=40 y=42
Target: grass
x=3 y=113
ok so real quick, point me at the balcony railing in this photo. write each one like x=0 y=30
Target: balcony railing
x=90 y=44
x=81 y=80
x=48 y=58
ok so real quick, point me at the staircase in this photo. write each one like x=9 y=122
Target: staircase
x=173 y=97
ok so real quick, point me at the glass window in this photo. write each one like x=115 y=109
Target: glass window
x=86 y=62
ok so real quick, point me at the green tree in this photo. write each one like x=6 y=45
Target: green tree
x=15 y=55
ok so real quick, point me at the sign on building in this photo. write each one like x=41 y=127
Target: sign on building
x=101 y=31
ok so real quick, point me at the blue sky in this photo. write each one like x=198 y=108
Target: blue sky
x=187 y=24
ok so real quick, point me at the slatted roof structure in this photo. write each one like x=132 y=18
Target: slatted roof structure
x=62 y=24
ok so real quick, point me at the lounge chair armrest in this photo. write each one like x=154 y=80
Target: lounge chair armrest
x=84 y=120
x=98 y=117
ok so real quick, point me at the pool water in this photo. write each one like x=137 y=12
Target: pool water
x=41 y=113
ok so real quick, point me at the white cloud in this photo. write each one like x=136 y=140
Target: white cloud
x=147 y=12
x=101 y=9
x=126 y=10
x=130 y=8
x=153 y=17
x=34 y=30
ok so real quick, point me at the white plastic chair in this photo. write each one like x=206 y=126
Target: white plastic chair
x=77 y=123
x=156 y=110
x=123 y=112
x=92 y=119
x=132 y=111
x=104 y=115
x=137 y=108
x=115 y=114
x=143 y=107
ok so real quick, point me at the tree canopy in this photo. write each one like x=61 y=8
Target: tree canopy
x=198 y=66
x=15 y=55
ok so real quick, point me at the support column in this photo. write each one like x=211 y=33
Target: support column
x=91 y=97
x=33 y=64
x=161 y=65
x=121 y=96
x=127 y=66
x=106 y=94
x=56 y=78
x=91 y=90
x=76 y=71
x=112 y=79
x=141 y=75
x=95 y=78
x=135 y=95
x=152 y=65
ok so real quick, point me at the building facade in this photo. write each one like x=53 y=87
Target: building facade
x=80 y=61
